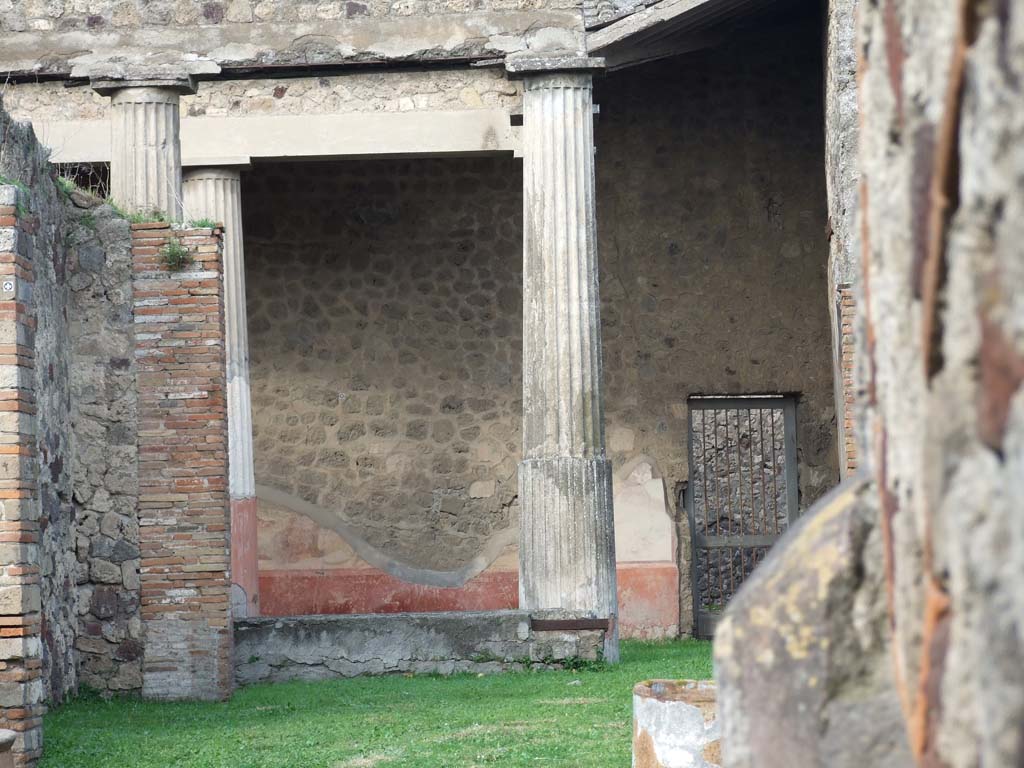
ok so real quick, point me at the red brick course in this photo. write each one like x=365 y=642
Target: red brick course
x=847 y=347
x=183 y=465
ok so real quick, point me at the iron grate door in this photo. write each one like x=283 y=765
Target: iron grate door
x=741 y=495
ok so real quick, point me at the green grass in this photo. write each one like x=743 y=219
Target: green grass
x=508 y=720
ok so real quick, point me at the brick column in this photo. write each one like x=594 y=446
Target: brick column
x=567 y=537
x=216 y=193
x=183 y=464
x=21 y=685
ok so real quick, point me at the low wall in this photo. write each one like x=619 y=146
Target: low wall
x=320 y=647
x=648 y=595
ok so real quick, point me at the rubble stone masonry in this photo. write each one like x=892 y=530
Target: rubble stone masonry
x=37 y=584
x=104 y=405
x=183 y=462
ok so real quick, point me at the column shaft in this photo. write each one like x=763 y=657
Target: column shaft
x=145 y=161
x=215 y=193
x=567 y=542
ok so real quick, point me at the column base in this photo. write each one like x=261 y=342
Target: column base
x=567 y=539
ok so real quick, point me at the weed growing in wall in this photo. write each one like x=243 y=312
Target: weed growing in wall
x=138 y=217
x=203 y=224
x=175 y=256
x=22 y=210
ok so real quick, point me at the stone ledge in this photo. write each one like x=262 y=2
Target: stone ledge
x=322 y=647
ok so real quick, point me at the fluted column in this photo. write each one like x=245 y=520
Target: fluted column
x=567 y=540
x=145 y=159
x=215 y=193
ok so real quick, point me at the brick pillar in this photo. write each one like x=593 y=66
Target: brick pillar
x=183 y=464
x=21 y=684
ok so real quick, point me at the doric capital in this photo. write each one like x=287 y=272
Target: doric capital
x=530 y=64
x=172 y=74
x=108 y=86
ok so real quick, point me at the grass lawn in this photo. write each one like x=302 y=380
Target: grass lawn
x=576 y=719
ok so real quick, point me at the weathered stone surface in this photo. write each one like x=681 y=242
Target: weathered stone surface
x=942 y=206
x=800 y=654
x=280 y=32
x=319 y=647
x=674 y=724
x=941 y=212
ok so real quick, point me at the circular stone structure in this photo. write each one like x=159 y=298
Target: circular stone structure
x=674 y=724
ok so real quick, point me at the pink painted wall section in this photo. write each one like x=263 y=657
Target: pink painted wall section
x=244 y=558
x=648 y=595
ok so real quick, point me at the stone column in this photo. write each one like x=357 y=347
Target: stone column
x=145 y=158
x=215 y=193
x=567 y=540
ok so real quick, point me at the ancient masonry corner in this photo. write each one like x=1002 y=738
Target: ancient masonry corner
x=21 y=684
x=183 y=464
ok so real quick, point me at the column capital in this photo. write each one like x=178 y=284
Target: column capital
x=160 y=72
x=213 y=172
x=532 y=64
x=185 y=85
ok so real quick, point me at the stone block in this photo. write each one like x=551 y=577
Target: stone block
x=19 y=648
x=674 y=725
x=481 y=489
x=788 y=659
x=17 y=600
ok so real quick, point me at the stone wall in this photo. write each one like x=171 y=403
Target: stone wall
x=37 y=584
x=322 y=647
x=184 y=529
x=385 y=336
x=711 y=224
x=104 y=403
x=359 y=91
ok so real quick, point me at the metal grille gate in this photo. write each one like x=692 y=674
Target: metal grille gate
x=741 y=496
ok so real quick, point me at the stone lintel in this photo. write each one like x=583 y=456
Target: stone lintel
x=524 y=65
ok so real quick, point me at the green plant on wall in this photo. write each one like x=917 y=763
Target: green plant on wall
x=203 y=223
x=137 y=217
x=175 y=255
x=25 y=194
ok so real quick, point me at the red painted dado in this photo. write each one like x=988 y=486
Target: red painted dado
x=244 y=558
x=648 y=595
